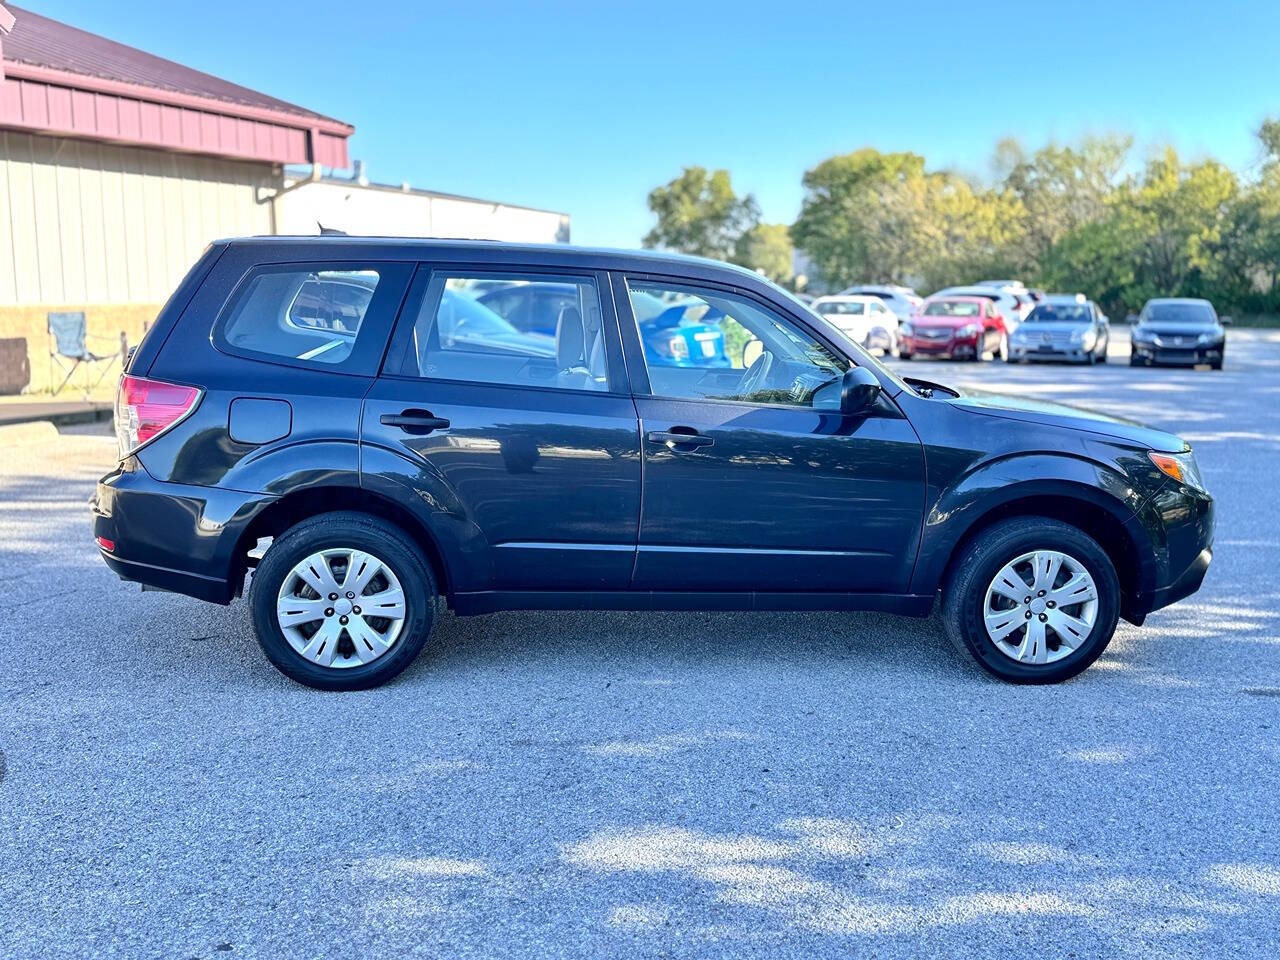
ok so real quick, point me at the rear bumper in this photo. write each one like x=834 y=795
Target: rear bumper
x=172 y=536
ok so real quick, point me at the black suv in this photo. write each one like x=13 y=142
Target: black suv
x=347 y=422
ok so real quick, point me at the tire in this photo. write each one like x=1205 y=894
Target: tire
x=1135 y=362
x=1217 y=364
x=973 y=572
x=1102 y=357
x=401 y=561
x=903 y=356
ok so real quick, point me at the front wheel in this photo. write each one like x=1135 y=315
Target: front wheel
x=342 y=601
x=903 y=356
x=1032 y=600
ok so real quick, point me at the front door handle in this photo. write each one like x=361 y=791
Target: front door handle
x=677 y=439
x=420 y=422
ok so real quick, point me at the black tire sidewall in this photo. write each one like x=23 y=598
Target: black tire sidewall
x=993 y=550
x=342 y=531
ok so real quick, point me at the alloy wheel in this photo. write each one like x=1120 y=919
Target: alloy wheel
x=1040 y=607
x=341 y=608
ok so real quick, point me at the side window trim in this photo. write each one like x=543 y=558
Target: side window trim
x=400 y=361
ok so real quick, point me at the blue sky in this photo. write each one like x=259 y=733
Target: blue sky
x=584 y=107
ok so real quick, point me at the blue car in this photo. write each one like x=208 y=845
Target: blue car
x=671 y=338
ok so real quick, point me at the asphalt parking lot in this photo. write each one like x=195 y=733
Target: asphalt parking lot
x=546 y=785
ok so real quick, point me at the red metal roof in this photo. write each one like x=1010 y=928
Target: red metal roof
x=42 y=42
x=58 y=79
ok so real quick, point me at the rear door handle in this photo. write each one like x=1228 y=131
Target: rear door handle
x=419 y=422
x=676 y=438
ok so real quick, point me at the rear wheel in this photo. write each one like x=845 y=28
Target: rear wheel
x=1032 y=600
x=903 y=356
x=343 y=601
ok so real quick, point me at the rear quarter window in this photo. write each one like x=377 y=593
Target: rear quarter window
x=326 y=316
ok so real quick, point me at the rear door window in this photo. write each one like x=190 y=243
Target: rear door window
x=533 y=330
x=327 y=316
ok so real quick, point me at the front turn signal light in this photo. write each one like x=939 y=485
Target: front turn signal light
x=1167 y=465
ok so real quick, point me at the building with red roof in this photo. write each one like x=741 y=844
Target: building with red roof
x=118 y=166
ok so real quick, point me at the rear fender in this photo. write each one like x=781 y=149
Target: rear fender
x=428 y=496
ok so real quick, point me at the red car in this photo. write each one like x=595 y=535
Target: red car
x=964 y=328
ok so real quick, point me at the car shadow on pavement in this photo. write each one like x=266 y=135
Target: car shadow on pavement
x=638 y=640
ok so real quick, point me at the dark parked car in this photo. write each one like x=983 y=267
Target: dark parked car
x=1181 y=332
x=389 y=453
x=1062 y=327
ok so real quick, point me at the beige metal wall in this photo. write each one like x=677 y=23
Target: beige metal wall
x=84 y=222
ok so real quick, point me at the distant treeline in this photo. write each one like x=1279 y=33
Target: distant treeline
x=1073 y=218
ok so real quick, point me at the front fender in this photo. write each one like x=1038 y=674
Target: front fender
x=1014 y=480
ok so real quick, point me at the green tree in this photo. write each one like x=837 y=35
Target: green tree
x=1057 y=189
x=1165 y=233
x=863 y=217
x=766 y=248
x=698 y=213
x=1252 y=248
x=970 y=232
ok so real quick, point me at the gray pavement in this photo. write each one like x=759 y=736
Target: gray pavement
x=547 y=785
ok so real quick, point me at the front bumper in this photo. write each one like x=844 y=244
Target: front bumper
x=1075 y=353
x=931 y=347
x=1179 y=524
x=172 y=536
x=1154 y=354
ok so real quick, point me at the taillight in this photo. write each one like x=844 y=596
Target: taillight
x=147 y=408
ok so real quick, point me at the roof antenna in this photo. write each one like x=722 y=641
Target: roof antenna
x=330 y=231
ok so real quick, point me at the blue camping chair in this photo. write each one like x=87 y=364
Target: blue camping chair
x=68 y=331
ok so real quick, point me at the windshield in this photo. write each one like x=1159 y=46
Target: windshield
x=1197 y=313
x=841 y=307
x=1060 y=313
x=952 y=308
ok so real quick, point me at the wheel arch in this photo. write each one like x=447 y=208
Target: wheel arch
x=292 y=508
x=1105 y=517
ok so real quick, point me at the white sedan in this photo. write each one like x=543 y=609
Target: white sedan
x=863 y=319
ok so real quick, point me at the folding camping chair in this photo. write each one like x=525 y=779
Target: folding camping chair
x=68 y=333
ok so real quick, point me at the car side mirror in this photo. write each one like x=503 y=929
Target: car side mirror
x=1225 y=321
x=859 y=390
x=751 y=351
